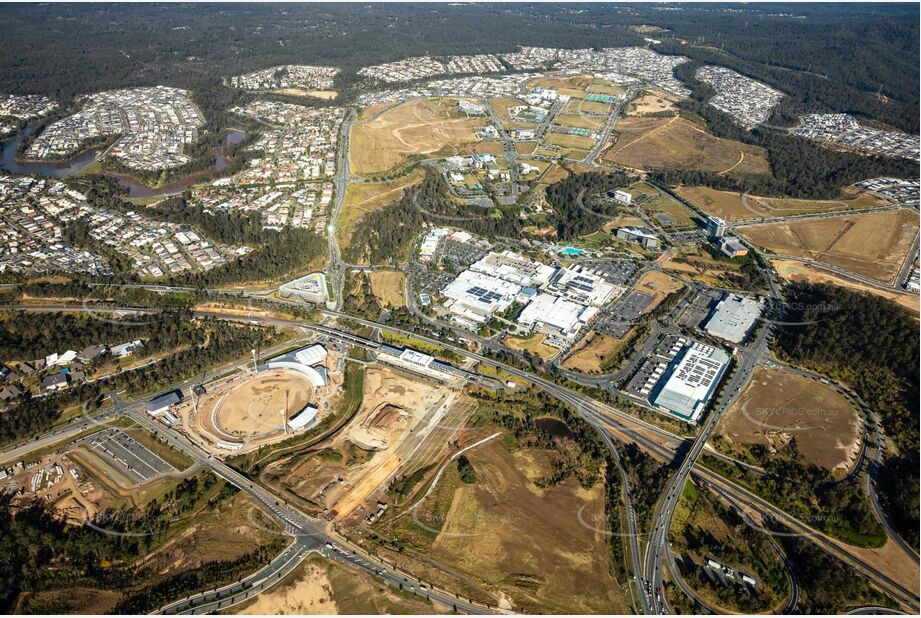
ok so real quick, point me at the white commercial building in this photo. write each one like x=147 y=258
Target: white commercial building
x=733 y=318
x=685 y=389
x=476 y=296
x=547 y=312
x=311 y=355
x=514 y=268
x=582 y=287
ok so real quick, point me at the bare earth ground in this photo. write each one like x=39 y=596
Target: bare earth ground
x=658 y=285
x=588 y=357
x=733 y=206
x=795 y=271
x=873 y=244
x=656 y=143
x=416 y=127
x=651 y=102
x=528 y=541
x=778 y=406
x=255 y=406
x=387 y=286
x=319 y=586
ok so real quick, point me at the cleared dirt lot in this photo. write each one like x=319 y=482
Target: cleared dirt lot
x=419 y=127
x=733 y=206
x=651 y=103
x=591 y=353
x=319 y=586
x=573 y=86
x=873 y=244
x=387 y=286
x=255 y=405
x=778 y=406
x=528 y=541
x=796 y=271
x=657 y=284
x=656 y=143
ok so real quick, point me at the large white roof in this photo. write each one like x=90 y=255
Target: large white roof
x=311 y=355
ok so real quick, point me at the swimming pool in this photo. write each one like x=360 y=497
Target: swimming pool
x=571 y=251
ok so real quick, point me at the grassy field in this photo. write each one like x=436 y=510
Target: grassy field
x=534 y=344
x=678 y=213
x=578 y=121
x=657 y=143
x=733 y=206
x=591 y=353
x=364 y=198
x=796 y=271
x=778 y=406
x=695 y=263
x=417 y=127
x=322 y=586
x=571 y=142
x=387 y=286
x=581 y=106
x=873 y=244
x=574 y=86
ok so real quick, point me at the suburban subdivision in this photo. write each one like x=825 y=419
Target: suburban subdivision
x=459 y=309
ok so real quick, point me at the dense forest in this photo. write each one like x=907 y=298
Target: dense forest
x=27 y=336
x=871 y=344
x=576 y=199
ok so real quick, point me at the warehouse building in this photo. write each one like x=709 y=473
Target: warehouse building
x=733 y=317
x=688 y=384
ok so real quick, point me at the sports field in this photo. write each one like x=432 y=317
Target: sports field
x=419 y=127
x=657 y=143
x=778 y=407
x=872 y=244
x=733 y=206
x=255 y=406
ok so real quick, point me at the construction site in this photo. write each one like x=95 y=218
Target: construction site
x=404 y=423
x=262 y=403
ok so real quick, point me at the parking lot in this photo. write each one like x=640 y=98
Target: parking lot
x=699 y=308
x=431 y=283
x=124 y=452
x=618 y=272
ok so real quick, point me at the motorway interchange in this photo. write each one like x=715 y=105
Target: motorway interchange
x=614 y=425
